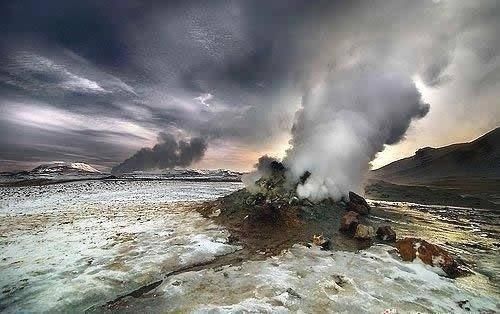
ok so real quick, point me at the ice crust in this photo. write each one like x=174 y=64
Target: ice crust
x=308 y=280
x=85 y=245
x=68 y=247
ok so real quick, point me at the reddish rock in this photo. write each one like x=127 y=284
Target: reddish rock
x=349 y=222
x=430 y=254
x=385 y=233
x=358 y=204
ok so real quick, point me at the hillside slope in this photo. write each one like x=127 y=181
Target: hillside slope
x=479 y=158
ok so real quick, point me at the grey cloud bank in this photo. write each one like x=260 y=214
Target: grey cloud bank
x=230 y=71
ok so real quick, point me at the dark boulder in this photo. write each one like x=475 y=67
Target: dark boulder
x=358 y=204
x=385 y=233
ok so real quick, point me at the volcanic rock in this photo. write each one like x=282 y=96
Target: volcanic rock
x=358 y=204
x=364 y=232
x=385 y=233
x=430 y=254
x=349 y=222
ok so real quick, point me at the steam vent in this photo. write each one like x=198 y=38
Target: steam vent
x=273 y=217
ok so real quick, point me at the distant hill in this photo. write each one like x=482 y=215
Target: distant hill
x=62 y=172
x=477 y=159
x=186 y=175
x=60 y=167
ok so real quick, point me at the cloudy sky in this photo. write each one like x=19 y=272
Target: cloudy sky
x=95 y=81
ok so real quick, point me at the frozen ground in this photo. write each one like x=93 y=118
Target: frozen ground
x=309 y=280
x=471 y=233
x=69 y=247
x=76 y=196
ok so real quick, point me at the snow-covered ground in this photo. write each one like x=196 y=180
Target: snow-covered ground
x=107 y=193
x=69 y=247
x=310 y=280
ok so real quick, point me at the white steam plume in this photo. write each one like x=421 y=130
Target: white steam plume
x=344 y=122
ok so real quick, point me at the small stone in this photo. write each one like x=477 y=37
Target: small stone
x=307 y=202
x=364 y=232
x=232 y=239
x=292 y=292
x=294 y=200
x=215 y=213
x=462 y=304
x=385 y=233
x=340 y=280
x=321 y=241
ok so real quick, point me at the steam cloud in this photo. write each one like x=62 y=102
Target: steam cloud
x=168 y=153
x=344 y=122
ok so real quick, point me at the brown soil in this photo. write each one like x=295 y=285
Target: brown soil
x=267 y=230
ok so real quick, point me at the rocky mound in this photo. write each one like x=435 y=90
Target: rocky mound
x=274 y=218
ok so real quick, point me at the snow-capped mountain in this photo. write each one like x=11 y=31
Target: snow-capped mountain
x=61 y=167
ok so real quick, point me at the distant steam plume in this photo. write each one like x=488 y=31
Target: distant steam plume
x=168 y=153
x=344 y=122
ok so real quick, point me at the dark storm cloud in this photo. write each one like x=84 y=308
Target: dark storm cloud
x=167 y=154
x=115 y=73
x=93 y=28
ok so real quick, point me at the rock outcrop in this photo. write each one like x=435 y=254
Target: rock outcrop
x=430 y=254
x=269 y=214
